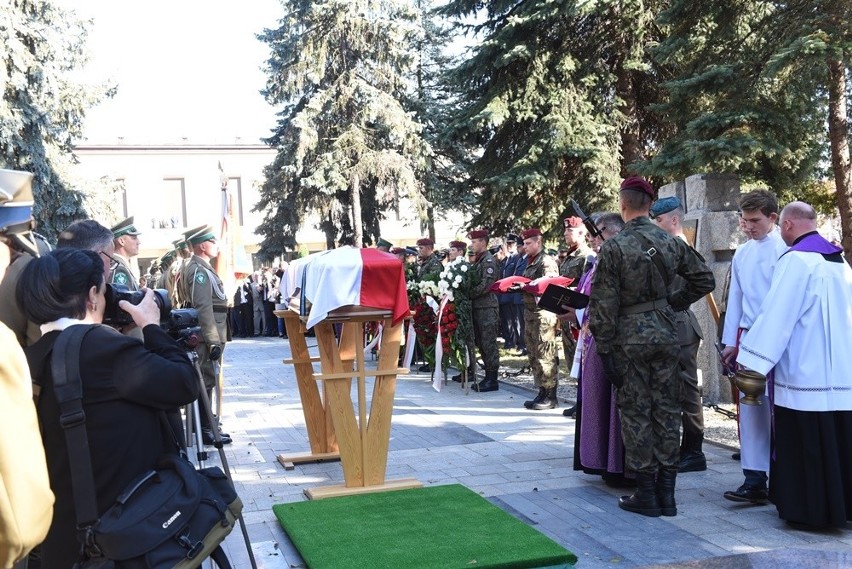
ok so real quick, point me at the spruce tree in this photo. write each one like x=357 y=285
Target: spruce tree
x=555 y=95
x=347 y=147
x=43 y=106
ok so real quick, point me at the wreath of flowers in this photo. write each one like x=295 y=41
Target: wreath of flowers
x=425 y=321
x=455 y=284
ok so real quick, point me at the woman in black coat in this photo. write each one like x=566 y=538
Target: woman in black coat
x=127 y=387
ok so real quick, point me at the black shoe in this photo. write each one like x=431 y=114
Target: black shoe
x=425 y=368
x=550 y=400
x=666 y=491
x=207 y=437
x=692 y=461
x=457 y=378
x=570 y=412
x=486 y=385
x=644 y=500
x=746 y=493
x=542 y=393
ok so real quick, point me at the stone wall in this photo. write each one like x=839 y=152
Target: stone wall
x=710 y=205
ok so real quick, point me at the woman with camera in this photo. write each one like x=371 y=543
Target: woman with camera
x=127 y=387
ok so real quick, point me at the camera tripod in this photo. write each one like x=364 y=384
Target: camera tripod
x=193 y=425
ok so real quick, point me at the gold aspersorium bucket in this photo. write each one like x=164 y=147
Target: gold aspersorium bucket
x=752 y=384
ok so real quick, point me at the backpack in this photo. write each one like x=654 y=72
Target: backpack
x=26 y=502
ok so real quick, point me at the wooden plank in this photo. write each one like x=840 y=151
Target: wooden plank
x=355 y=373
x=289 y=361
x=340 y=407
x=377 y=438
x=339 y=490
x=305 y=458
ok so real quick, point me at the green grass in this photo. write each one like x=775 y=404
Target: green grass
x=437 y=527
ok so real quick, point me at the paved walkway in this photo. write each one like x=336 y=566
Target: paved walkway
x=520 y=460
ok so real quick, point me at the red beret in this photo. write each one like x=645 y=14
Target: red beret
x=478 y=234
x=572 y=221
x=460 y=245
x=397 y=250
x=531 y=232
x=638 y=184
x=426 y=242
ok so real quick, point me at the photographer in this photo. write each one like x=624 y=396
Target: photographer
x=127 y=386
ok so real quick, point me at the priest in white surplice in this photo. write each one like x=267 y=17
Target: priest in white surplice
x=804 y=331
x=751 y=275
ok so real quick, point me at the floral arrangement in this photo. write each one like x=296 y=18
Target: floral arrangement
x=456 y=326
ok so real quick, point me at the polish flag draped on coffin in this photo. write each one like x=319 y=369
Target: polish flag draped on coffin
x=350 y=277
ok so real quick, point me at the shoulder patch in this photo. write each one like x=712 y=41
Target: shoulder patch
x=489 y=270
x=200 y=277
x=120 y=278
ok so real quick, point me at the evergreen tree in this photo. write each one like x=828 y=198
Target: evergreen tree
x=42 y=108
x=556 y=97
x=761 y=93
x=347 y=148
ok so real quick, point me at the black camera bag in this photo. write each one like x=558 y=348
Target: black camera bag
x=173 y=517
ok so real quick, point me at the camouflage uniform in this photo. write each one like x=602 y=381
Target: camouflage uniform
x=202 y=289
x=632 y=317
x=429 y=266
x=540 y=325
x=120 y=274
x=573 y=267
x=486 y=311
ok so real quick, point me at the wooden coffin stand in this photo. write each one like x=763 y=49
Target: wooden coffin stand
x=360 y=441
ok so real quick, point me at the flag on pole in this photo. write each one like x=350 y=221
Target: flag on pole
x=232 y=262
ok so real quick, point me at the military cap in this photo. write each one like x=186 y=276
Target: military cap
x=511 y=238
x=664 y=205
x=181 y=242
x=552 y=252
x=190 y=232
x=531 y=232
x=384 y=243
x=16 y=208
x=398 y=250
x=425 y=242
x=478 y=234
x=167 y=257
x=460 y=245
x=124 y=227
x=410 y=251
x=637 y=184
x=572 y=221
x=206 y=233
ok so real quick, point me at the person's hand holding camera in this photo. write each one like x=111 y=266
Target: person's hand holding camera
x=145 y=313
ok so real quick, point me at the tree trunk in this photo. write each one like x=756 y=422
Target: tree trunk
x=838 y=131
x=357 y=226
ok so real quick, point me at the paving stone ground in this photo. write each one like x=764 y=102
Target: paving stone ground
x=518 y=459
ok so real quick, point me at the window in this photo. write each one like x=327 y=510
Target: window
x=166 y=205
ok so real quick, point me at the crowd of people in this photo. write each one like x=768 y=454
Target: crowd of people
x=632 y=349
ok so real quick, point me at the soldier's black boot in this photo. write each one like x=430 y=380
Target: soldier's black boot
x=644 y=500
x=549 y=402
x=666 y=491
x=542 y=393
x=490 y=383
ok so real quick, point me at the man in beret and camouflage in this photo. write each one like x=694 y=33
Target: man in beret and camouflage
x=668 y=213
x=427 y=262
x=126 y=239
x=579 y=257
x=486 y=310
x=632 y=316
x=203 y=290
x=540 y=325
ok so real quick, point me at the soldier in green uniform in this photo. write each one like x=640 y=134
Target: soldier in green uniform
x=578 y=258
x=126 y=239
x=486 y=309
x=632 y=317
x=166 y=280
x=184 y=253
x=427 y=261
x=202 y=289
x=540 y=325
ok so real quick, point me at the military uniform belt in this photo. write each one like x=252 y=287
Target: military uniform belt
x=644 y=307
x=220 y=309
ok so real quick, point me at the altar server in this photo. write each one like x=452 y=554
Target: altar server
x=805 y=331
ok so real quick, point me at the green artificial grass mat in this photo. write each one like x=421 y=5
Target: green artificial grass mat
x=437 y=527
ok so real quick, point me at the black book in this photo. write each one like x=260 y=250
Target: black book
x=555 y=297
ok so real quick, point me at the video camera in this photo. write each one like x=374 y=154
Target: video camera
x=181 y=323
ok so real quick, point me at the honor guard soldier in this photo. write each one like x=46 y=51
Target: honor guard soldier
x=427 y=262
x=167 y=279
x=632 y=317
x=579 y=256
x=202 y=289
x=126 y=239
x=540 y=325
x=486 y=309
x=384 y=245
x=184 y=254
